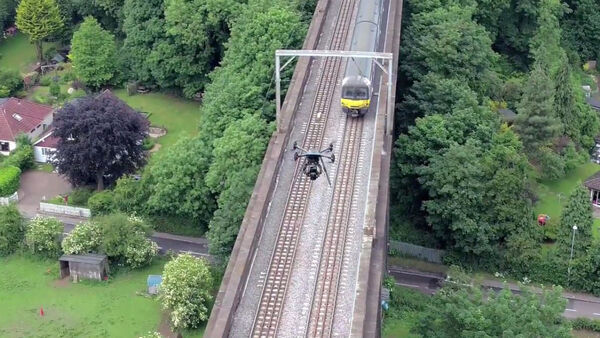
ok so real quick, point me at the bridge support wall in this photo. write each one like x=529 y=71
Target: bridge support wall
x=367 y=317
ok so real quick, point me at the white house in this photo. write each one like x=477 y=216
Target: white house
x=44 y=147
x=21 y=116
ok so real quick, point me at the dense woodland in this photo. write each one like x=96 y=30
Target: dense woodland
x=464 y=180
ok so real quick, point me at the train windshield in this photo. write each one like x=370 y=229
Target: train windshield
x=356 y=93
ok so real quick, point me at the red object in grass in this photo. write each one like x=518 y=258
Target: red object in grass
x=542 y=219
x=105 y=277
x=42 y=311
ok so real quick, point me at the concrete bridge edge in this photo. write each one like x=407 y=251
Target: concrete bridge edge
x=367 y=318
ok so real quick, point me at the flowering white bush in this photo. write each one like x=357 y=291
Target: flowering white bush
x=83 y=239
x=43 y=236
x=186 y=290
x=140 y=251
x=151 y=335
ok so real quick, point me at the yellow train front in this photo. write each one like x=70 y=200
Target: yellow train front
x=357 y=86
x=356 y=95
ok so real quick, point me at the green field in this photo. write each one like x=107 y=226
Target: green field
x=17 y=53
x=87 y=309
x=553 y=195
x=179 y=116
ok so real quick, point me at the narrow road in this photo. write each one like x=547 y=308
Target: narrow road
x=578 y=305
x=195 y=246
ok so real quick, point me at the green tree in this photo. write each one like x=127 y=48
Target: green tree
x=93 y=53
x=448 y=42
x=186 y=291
x=546 y=47
x=39 y=19
x=578 y=212
x=489 y=13
x=7 y=12
x=478 y=196
x=143 y=26
x=564 y=102
x=236 y=162
x=247 y=66
x=582 y=28
x=242 y=146
x=468 y=311
x=176 y=183
x=43 y=236
x=517 y=26
x=435 y=94
x=537 y=124
x=12 y=229
x=197 y=31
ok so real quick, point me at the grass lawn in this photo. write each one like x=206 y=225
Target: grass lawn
x=396 y=328
x=17 y=53
x=553 y=195
x=87 y=309
x=179 y=116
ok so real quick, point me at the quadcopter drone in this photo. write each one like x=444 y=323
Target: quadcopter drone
x=314 y=164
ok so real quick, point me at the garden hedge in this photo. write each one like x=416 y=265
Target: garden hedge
x=9 y=180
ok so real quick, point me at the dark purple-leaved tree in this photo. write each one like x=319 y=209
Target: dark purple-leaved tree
x=100 y=139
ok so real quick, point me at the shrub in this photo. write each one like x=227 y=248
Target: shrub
x=85 y=238
x=149 y=143
x=4 y=91
x=128 y=195
x=80 y=196
x=54 y=89
x=43 y=236
x=22 y=158
x=586 y=324
x=124 y=240
x=186 y=290
x=101 y=203
x=45 y=80
x=11 y=80
x=12 y=229
x=9 y=180
x=140 y=251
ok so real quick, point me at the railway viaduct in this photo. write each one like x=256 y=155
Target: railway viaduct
x=309 y=258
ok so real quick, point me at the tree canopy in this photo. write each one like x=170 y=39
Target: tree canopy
x=471 y=312
x=93 y=53
x=39 y=19
x=100 y=139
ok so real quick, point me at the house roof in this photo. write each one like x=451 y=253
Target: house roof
x=87 y=258
x=593 y=182
x=47 y=140
x=593 y=102
x=20 y=116
x=507 y=114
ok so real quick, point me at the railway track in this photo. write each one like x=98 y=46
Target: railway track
x=274 y=290
x=334 y=243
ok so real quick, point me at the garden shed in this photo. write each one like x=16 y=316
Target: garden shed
x=154 y=282
x=89 y=266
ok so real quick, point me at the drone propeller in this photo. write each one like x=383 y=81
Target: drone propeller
x=325 y=170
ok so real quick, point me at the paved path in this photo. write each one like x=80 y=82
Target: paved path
x=35 y=185
x=578 y=304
